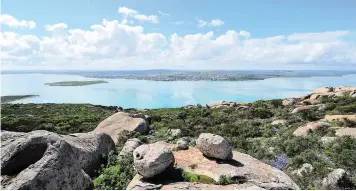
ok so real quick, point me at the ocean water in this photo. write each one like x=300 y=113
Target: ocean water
x=155 y=94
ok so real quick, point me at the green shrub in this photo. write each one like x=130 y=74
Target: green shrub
x=191 y=177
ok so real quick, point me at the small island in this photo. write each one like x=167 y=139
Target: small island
x=76 y=83
x=10 y=98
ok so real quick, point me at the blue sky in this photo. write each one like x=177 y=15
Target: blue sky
x=276 y=34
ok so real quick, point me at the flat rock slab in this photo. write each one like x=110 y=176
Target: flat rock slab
x=339 y=117
x=120 y=121
x=201 y=186
x=242 y=166
x=346 y=132
x=312 y=126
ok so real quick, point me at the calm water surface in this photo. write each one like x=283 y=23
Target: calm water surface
x=154 y=94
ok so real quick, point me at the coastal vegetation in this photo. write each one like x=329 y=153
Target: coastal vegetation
x=76 y=83
x=10 y=98
x=248 y=130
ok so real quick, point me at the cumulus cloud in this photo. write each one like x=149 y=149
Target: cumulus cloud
x=130 y=13
x=13 y=22
x=212 y=23
x=113 y=44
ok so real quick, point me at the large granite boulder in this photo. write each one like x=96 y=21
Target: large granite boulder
x=120 y=121
x=152 y=159
x=214 y=146
x=242 y=166
x=57 y=168
x=338 y=179
x=130 y=146
x=89 y=149
x=312 y=126
x=21 y=151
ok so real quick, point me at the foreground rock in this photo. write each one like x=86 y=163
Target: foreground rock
x=129 y=147
x=242 y=166
x=312 y=126
x=152 y=159
x=50 y=161
x=338 y=180
x=140 y=184
x=214 y=146
x=121 y=121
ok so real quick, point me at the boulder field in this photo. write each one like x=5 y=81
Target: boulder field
x=250 y=172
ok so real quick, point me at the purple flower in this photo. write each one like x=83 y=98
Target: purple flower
x=280 y=161
x=275 y=130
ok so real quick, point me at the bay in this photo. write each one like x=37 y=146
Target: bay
x=160 y=94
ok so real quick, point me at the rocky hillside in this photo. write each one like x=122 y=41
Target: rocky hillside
x=296 y=143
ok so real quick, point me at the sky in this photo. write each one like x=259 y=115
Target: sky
x=180 y=34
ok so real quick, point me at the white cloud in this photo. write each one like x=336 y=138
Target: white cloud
x=126 y=11
x=325 y=36
x=216 y=22
x=178 y=22
x=163 y=14
x=117 y=45
x=130 y=13
x=13 y=22
x=212 y=23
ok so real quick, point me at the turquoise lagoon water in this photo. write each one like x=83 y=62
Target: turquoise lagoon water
x=157 y=94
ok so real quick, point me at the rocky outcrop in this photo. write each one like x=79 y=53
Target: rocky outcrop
x=346 y=132
x=302 y=109
x=223 y=104
x=214 y=146
x=289 y=101
x=56 y=169
x=129 y=147
x=74 y=156
x=312 y=126
x=152 y=159
x=323 y=90
x=339 y=117
x=338 y=179
x=353 y=93
x=242 y=166
x=121 y=121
